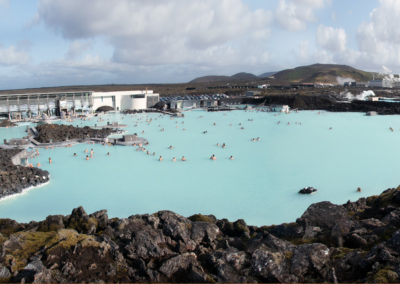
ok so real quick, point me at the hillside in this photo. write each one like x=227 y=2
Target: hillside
x=324 y=73
x=242 y=76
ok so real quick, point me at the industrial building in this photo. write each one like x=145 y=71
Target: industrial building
x=58 y=103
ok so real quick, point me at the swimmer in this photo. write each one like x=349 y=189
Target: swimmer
x=183 y=159
x=50 y=161
x=173 y=159
x=171 y=147
x=330 y=128
x=358 y=189
x=391 y=129
x=75 y=155
x=87 y=158
x=86 y=150
x=231 y=158
x=160 y=159
x=223 y=145
x=213 y=157
x=108 y=153
x=38 y=165
x=154 y=153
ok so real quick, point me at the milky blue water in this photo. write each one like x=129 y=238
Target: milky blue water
x=260 y=185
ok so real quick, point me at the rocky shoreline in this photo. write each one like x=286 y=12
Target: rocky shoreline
x=355 y=242
x=326 y=102
x=15 y=179
x=52 y=133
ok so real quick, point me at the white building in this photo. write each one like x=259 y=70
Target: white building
x=125 y=100
x=56 y=103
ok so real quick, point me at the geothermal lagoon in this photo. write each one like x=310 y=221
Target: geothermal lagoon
x=333 y=152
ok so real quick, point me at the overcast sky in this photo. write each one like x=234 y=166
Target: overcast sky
x=71 y=42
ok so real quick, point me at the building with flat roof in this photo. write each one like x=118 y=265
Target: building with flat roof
x=56 y=103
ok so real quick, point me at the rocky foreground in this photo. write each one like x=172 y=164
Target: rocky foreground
x=355 y=242
x=14 y=179
x=51 y=133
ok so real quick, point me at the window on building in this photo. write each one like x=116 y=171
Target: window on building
x=138 y=96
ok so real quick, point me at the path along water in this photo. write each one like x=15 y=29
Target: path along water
x=334 y=152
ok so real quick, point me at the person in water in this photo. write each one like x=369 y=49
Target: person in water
x=87 y=158
x=358 y=189
x=213 y=157
x=183 y=159
x=173 y=159
x=231 y=158
x=75 y=155
x=50 y=161
x=108 y=153
x=160 y=159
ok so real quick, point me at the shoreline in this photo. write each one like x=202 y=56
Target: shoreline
x=23 y=191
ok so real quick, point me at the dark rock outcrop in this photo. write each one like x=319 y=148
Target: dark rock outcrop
x=326 y=102
x=51 y=133
x=15 y=178
x=355 y=242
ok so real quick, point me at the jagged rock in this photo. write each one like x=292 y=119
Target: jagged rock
x=51 y=133
x=4 y=273
x=178 y=263
x=271 y=266
x=52 y=223
x=14 y=178
x=204 y=232
x=356 y=242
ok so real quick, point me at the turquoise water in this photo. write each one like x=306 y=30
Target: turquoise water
x=13 y=132
x=260 y=185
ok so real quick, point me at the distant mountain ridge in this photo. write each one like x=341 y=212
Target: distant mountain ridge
x=242 y=76
x=321 y=73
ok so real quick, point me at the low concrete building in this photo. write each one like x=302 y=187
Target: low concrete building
x=57 y=103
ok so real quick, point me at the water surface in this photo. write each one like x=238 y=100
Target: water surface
x=334 y=152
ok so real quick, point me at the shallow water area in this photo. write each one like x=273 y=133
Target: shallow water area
x=333 y=152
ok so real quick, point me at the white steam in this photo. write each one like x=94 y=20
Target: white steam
x=342 y=80
x=361 y=97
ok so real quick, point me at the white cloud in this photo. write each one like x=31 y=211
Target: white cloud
x=331 y=39
x=209 y=32
x=77 y=48
x=379 y=39
x=294 y=15
x=13 y=56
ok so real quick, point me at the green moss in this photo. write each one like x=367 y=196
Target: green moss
x=83 y=226
x=301 y=241
x=69 y=238
x=341 y=252
x=386 y=275
x=30 y=242
x=288 y=254
x=201 y=218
